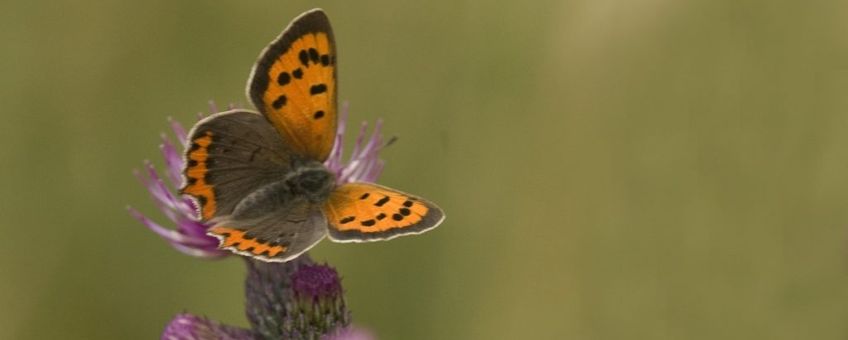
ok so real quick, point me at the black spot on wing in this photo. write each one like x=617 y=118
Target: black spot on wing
x=313 y=55
x=317 y=89
x=283 y=79
x=382 y=201
x=280 y=102
x=304 y=57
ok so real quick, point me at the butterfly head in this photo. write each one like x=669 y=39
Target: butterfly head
x=313 y=181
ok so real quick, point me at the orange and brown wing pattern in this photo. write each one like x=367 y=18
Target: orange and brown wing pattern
x=238 y=240
x=278 y=236
x=294 y=85
x=195 y=174
x=359 y=212
x=229 y=155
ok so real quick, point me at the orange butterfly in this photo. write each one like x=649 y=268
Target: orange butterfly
x=259 y=178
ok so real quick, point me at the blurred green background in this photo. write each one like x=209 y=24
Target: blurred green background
x=611 y=169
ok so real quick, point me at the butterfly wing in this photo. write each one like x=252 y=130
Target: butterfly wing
x=278 y=236
x=230 y=155
x=294 y=85
x=358 y=212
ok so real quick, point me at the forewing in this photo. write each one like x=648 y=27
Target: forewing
x=294 y=85
x=279 y=236
x=359 y=212
x=229 y=155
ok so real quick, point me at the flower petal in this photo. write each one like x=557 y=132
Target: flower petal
x=190 y=327
x=179 y=131
x=173 y=162
x=169 y=235
x=350 y=333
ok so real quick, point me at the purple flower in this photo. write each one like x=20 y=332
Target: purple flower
x=364 y=164
x=291 y=300
x=350 y=333
x=189 y=236
x=190 y=327
x=294 y=300
x=315 y=282
x=189 y=233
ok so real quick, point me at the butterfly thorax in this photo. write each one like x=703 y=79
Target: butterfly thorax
x=310 y=181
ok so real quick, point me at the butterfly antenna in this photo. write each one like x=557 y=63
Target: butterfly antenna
x=391 y=141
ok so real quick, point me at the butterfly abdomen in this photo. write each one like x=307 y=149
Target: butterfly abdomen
x=271 y=197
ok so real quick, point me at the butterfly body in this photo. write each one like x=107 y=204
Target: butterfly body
x=312 y=183
x=259 y=177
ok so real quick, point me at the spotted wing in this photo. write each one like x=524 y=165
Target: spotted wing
x=230 y=155
x=278 y=236
x=358 y=212
x=294 y=85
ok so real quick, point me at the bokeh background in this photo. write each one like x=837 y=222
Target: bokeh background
x=611 y=169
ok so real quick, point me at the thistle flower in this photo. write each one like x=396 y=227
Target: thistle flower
x=189 y=234
x=294 y=300
x=318 y=298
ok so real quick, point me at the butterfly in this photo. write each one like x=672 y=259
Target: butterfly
x=258 y=178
